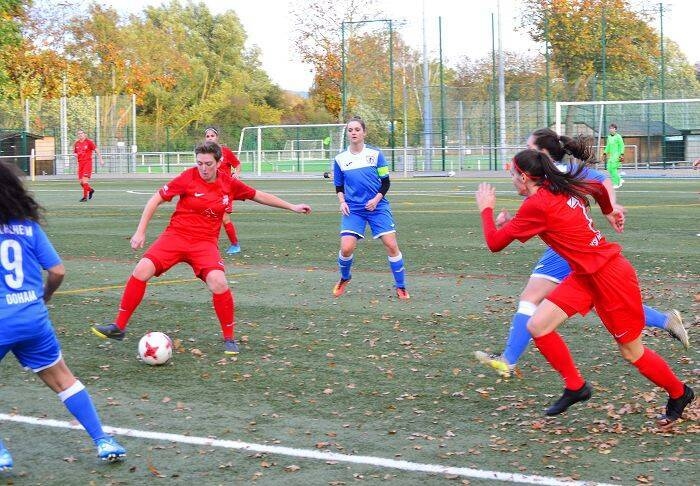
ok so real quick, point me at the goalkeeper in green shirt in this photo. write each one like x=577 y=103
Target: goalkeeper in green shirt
x=613 y=155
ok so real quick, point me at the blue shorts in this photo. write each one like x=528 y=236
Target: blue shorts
x=551 y=267
x=380 y=221
x=35 y=353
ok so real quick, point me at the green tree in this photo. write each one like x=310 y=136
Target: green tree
x=12 y=13
x=317 y=27
x=574 y=30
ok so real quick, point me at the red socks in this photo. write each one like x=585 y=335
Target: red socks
x=231 y=233
x=656 y=370
x=131 y=298
x=556 y=352
x=86 y=189
x=223 y=306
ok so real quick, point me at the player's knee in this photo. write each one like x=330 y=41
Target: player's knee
x=631 y=351
x=536 y=327
x=216 y=281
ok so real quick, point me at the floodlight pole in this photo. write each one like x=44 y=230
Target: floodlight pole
x=663 y=87
x=344 y=97
x=442 y=97
x=546 y=71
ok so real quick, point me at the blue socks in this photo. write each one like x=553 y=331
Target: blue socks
x=78 y=402
x=654 y=318
x=397 y=268
x=344 y=265
x=519 y=336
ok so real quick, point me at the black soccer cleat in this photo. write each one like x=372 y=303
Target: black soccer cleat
x=675 y=406
x=92 y=191
x=569 y=398
x=109 y=331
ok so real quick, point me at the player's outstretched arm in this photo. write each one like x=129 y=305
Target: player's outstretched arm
x=271 y=200
x=149 y=210
x=99 y=156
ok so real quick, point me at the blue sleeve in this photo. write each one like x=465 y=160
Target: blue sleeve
x=594 y=175
x=590 y=174
x=46 y=254
x=338 y=176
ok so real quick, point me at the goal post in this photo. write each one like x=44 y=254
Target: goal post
x=656 y=132
x=290 y=148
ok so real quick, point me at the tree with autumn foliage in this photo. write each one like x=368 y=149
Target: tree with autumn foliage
x=574 y=29
x=318 y=27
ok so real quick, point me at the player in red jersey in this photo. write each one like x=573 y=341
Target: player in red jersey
x=83 y=149
x=230 y=165
x=205 y=194
x=556 y=210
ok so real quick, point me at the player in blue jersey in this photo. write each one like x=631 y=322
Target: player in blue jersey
x=361 y=178
x=551 y=268
x=25 y=327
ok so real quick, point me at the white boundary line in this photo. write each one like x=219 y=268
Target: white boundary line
x=312 y=454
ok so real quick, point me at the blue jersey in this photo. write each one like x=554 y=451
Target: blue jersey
x=360 y=175
x=25 y=251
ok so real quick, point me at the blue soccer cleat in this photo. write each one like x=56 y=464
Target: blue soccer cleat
x=233 y=249
x=109 y=449
x=5 y=458
x=231 y=347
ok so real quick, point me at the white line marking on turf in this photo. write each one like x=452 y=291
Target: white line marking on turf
x=138 y=192
x=312 y=454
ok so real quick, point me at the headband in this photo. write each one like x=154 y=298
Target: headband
x=211 y=129
x=521 y=171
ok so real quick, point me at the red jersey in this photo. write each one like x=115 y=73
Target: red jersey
x=84 y=149
x=562 y=222
x=229 y=161
x=201 y=206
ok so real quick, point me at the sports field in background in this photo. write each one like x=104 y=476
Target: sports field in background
x=361 y=375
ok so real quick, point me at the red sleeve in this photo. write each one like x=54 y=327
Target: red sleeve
x=496 y=240
x=529 y=221
x=230 y=157
x=234 y=161
x=175 y=187
x=600 y=194
x=92 y=145
x=241 y=191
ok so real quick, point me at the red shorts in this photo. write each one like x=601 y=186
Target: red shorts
x=84 y=169
x=171 y=248
x=614 y=292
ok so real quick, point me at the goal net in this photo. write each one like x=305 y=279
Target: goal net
x=291 y=148
x=656 y=133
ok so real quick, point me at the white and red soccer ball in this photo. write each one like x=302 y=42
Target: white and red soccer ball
x=155 y=348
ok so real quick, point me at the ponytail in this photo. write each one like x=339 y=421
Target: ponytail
x=541 y=169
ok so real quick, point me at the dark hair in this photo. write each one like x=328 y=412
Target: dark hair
x=613 y=125
x=559 y=145
x=208 y=147
x=15 y=201
x=358 y=120
x=213 y=129
x=541 y=169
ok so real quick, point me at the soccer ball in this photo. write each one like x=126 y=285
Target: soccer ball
x=155 y=348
